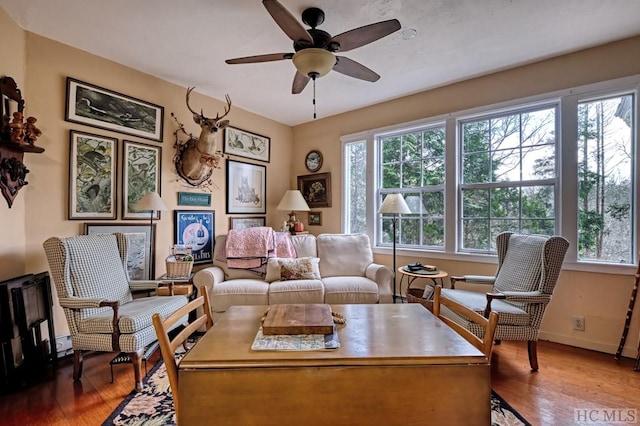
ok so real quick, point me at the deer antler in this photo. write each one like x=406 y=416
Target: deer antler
x=188 y=106
x=227 y=108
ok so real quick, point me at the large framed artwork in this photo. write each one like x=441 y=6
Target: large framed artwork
x=140 y=174
x=196 y=229
x=316 y=189
x=246 y=222
x=103 y=108
x=93 y=163
x=246 y=188
x=246 y=144
x=141 y=253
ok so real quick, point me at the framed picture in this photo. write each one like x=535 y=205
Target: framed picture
x=246 y=188
x=142 y=251
x=93 y=162
x=246 y=144
x=315 y=218
x=140 y=174
x=246 y=222
x=195 y=228
x=98 y=107
x=316 y=189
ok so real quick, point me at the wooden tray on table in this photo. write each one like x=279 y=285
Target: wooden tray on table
x=298 y=319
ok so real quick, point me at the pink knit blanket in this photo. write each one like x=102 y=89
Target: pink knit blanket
x=250 y=248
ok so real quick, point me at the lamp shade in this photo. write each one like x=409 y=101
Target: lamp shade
x=293 y=200
x=394 y=204
x=314 y=61
x=151 y=202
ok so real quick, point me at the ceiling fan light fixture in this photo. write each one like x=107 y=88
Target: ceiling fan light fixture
x=314 y=61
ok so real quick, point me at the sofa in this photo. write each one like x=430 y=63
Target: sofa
x=338 y=269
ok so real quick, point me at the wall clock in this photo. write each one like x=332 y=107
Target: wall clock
x=313 y=161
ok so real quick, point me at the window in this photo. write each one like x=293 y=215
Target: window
x=605 y=179
x=413 y=163
x=355 y=201
x=507 y=176
x=560 y=163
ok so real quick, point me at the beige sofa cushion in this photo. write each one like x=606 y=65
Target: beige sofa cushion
x=305 y=245
x=341 y=290
x=344 y=254
x=239 y=292
x=296 y=291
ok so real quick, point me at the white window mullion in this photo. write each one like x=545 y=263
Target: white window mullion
x=567 y=194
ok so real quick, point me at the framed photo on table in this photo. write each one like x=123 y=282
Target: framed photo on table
x=103 y=108
x=195 y=228
x=315 y=218
x=93 y=163
x=246 y=188
x=140 y=174
x=140 y=259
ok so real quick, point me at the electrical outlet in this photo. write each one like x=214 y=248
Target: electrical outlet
x=578 y=322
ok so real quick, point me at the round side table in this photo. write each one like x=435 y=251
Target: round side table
x=412 y=276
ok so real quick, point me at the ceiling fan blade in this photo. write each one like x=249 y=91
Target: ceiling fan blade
x=286 y=21
x=299 y=83
x=354 y=69
x=364 y=35
x=260 y=58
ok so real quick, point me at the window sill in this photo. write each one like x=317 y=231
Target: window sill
x=600 y=268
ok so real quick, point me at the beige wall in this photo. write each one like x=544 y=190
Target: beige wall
x=13 y=230
x=601 y=298
x=41 y=207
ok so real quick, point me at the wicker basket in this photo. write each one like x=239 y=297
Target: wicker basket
x=178 y=268
x=414 y=295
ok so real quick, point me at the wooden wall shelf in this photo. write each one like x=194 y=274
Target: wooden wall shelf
x=16 y=137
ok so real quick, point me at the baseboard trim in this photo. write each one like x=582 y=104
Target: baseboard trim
x=629 y=352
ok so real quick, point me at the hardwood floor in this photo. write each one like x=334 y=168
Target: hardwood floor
x=568 y=378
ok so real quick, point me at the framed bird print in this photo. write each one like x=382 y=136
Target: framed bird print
x=92 y=176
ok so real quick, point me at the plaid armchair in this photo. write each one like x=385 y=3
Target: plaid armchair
x=528 y=269
x=94 y=291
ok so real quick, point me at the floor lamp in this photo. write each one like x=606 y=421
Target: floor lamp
x=394 y=204
x=152 y=202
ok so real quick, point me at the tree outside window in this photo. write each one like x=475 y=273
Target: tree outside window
x=605 y=170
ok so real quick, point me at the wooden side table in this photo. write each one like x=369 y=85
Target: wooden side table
x=176 y=286
x=412 y=276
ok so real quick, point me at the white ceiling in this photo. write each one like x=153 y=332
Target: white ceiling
x=187 y=41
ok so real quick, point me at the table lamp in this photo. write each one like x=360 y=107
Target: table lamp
x=152 y=202
x=394 y=204
x=293 y=200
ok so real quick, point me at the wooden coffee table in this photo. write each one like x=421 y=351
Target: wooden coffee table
x=397 y=365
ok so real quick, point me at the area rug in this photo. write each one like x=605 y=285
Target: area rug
x=154 y=405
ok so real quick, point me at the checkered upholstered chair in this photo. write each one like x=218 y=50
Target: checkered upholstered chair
x=528 y=268
x=94 y=291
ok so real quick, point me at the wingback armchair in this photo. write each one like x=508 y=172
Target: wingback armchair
x=528 y=269
x=91 y=279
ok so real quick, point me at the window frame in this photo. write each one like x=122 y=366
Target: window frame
x=566 y=161
x=555 y=104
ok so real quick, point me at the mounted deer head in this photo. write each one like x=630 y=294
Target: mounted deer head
x=209 y=125
x=195 y=159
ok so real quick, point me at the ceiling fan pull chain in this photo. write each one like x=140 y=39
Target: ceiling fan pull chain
x=314 y=98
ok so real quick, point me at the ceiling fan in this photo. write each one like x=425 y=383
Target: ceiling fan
x=315 y=49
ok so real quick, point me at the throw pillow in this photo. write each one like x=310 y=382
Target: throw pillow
x=273 y=270
x=302 y=268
